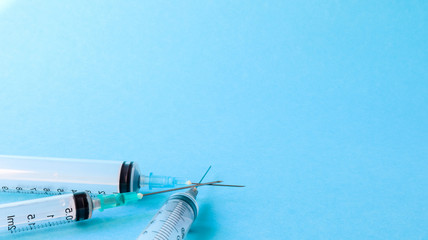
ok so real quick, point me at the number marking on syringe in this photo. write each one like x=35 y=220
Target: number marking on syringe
x=11 y=223
x=49 y=191
x=38 y=226
x=32 y=220
x=31 y=217
x=12 y=228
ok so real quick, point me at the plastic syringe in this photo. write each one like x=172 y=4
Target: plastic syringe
x=52 y=211
x=174 y=218
x=56 y=210
x=60 y=176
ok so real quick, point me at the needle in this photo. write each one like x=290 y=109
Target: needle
x=175 y=189
x=223 y=185
x=220 y=185
x=205 y=174
x=195 y=185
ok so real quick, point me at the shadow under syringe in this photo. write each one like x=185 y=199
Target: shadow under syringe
x=205 y=225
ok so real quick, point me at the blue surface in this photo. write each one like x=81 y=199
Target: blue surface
x=319 y=107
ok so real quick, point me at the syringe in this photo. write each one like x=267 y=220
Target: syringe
x=59 y=176
x=56 y=210
x=173 y=220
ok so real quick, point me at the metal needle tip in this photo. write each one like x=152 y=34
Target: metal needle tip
x=205 y=174
x=180 y=188
x=223 y=185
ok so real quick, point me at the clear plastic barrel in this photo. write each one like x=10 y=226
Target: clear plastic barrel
x=35 y=214
x=58 y=176
x=174 y=219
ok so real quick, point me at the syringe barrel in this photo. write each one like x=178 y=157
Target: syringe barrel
x=39 y=213
x=59 y=176
x=174 y=218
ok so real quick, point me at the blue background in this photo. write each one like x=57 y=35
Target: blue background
x=318 y=107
